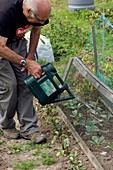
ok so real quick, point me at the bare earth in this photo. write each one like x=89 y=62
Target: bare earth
x=9 y=157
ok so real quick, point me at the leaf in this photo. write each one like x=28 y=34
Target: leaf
x=75 y=123
x=58 y=154
x=95 y=139
x=102 y=138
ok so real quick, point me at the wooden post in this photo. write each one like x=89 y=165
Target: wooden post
x=95 y=51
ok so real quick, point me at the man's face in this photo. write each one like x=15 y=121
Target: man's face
x=39 y=16
x=33 y=18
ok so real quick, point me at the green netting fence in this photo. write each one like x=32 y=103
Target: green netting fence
x=104 y=49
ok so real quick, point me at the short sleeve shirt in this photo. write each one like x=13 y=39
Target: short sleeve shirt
x=13 y=23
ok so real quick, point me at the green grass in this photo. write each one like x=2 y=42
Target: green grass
x=41 y=153
x=70 y=29
x=104 y=4
x=25 y=147
x=26 y=165
x=48 y=160
x=47 y=157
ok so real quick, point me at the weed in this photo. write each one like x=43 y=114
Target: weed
x=49 y=160
x=2 y=142
x=26 y=165
x=47 y=157
x=1 y=132
x=38 y=150
x=25 y=147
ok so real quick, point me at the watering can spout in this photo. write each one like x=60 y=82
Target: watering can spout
x=47 y=89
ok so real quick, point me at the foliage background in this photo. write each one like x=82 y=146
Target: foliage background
x=68 y=33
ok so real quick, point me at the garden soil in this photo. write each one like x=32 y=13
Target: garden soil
x=8 y=158
x=103 y=152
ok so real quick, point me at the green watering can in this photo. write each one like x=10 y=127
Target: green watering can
x=49 y=86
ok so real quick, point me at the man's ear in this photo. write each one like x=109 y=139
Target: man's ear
x=26 y=10
x=30 y=12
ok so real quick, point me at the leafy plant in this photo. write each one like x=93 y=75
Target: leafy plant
x=76 y=164
x=107 y=116
x=76 y=115
x=60 y=152
x=97 y=140
x=91 y=129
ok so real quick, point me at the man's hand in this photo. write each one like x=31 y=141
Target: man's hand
x=33 y=68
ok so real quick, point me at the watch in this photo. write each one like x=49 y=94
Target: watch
x=23 y=62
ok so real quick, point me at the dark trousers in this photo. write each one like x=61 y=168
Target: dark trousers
x=14 y=95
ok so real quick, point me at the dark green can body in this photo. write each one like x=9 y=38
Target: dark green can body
x=47 y=88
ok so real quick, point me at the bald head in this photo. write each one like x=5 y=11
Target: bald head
x=39 y=8
x=44 y=8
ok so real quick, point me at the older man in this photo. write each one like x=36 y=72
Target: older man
x=17 y=17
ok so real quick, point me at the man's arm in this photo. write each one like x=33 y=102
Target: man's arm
x=34 y=38
x=5 y=52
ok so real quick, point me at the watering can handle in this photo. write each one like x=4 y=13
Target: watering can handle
x=48 y=67
x=63 y=99
x=71 y=96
